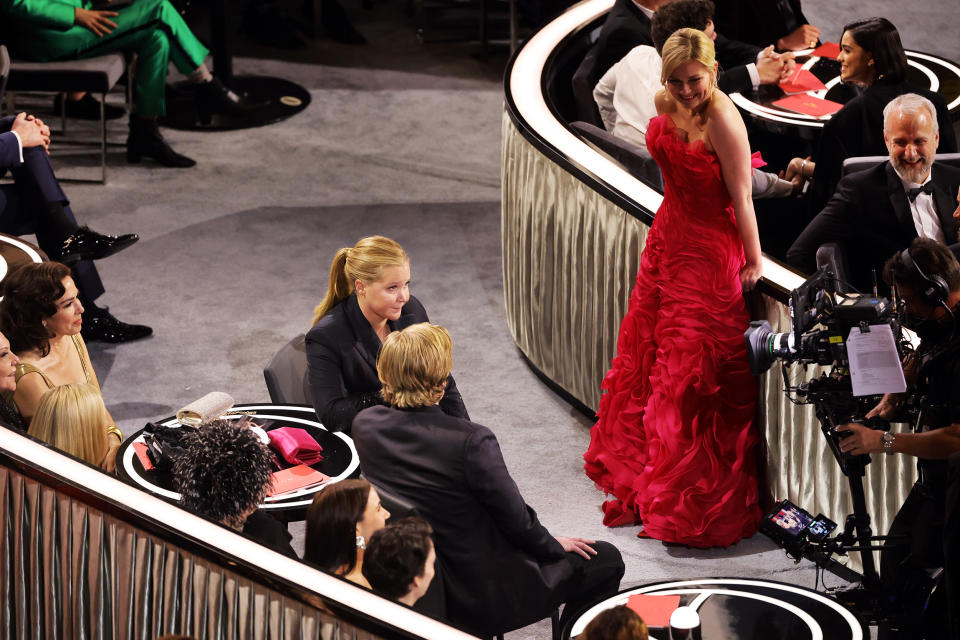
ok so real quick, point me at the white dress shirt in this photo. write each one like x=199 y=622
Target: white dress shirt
x=924 y=211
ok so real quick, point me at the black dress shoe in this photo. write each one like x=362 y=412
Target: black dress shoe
x=145 y=141
x=214 y=97
x=86 y=244
x=100 y=326
x=87 y=108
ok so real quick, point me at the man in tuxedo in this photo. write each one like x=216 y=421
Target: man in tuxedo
x=629 y=24
x=36 y=204
x=877 y=212
x=765 y=22
x=502 y=569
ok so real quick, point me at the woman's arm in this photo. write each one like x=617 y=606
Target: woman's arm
x=30 y=390
x=728 y=135
x=336 y=406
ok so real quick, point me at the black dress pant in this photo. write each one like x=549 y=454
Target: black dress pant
x=592 y=580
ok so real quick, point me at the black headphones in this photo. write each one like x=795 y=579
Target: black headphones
x=935 y=290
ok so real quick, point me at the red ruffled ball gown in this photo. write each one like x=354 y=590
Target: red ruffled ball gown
x=674 y=442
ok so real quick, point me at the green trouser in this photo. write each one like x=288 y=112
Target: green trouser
x=152 y=29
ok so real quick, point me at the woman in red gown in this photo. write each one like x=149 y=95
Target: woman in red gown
x=674 y=442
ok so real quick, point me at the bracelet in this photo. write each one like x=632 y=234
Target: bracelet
x=803 y=166
x=112 y=430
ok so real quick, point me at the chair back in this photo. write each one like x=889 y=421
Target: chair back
x=4 y=70
x=639 y=163
x=833 y=255
x=286 y=375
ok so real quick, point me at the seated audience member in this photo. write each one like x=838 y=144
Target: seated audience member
x=340 y=521
x=871 y=56
x=368 y=297
x=9 y=416
x=764 y=22
x=877 y=212
x=505 y=569
x=72 y=418
x=35 y=203
x=151 y=29
x=616 y=623
x=224 y=474
x=628 y=25
x=42 y=317
x=399 y=560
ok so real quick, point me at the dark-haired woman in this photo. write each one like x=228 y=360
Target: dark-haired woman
x=367 y=298
x=42 y=317
x=871 y=56
x=340 y=521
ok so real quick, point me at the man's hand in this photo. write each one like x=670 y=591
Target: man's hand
x=789 y=66
x=803 y=37
x=956 y=213
x=798 y=171
x=579 y=546
x=861 y=439
x=32 y=131
x=97 y=21
x=770 y=66
x=886 y=407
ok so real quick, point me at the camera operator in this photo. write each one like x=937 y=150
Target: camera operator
x=927 y=277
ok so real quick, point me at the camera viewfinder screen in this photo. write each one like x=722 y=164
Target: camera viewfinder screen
x=792 y=518
x=820 y=528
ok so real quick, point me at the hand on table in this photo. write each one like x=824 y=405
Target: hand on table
x=97 y=21
x=109 y=463
x=803 y=37
x=32 y=131
x=861 y=439
x=580 y=546
x=797 y=172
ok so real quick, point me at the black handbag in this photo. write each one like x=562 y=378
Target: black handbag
x=164 y=444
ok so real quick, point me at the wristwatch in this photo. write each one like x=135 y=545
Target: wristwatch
x=887 y=439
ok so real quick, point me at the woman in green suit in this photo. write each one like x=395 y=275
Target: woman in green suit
x=45 y=30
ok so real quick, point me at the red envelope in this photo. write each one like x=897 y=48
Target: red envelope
x=141 y=450
x=801 y=81
x=827 y=50
x=655 y=610
x=808 y=105
x=294 y=478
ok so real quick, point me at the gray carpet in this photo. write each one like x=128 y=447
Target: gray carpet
x=235 y=254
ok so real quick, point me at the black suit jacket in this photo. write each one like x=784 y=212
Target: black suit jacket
x=857 y=130
x=759 y=22
x=342 y=350
x=502 y=568
x=870 y=214
x=269 y=532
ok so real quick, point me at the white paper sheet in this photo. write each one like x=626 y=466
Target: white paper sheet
x=874 y=362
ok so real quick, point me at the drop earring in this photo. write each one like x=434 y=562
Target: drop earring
x=361 y=543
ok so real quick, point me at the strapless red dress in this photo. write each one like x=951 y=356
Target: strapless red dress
x=675 y=442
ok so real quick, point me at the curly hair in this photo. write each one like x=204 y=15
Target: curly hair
x=30 y=294
x=934 y=258
x=679 y=14
x=396 y=555
x=616 y=623
x=224 y=471
x=332 y=517
x=414 y=365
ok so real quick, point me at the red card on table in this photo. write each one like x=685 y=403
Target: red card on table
x=801 y=81
x=827 y=50
x=808 y=105
x=141 y=450
x=655 y=610
x=298 y=477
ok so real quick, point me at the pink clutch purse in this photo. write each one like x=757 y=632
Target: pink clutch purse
x=295 y=445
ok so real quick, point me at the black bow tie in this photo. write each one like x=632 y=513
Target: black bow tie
x=926 y=188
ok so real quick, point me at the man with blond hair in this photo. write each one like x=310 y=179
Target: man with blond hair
x=502 y=569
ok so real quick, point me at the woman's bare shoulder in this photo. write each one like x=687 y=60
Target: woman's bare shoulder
x=722 y=113
x=662 y=102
